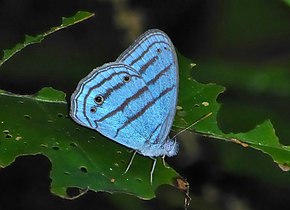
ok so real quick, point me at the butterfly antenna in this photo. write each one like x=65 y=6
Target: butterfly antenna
x=194 y=123
x=131 y=161
x=152 y=170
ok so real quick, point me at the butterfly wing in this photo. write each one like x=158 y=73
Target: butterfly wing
x=153 y=56
x=137 y=113
x=115 y=100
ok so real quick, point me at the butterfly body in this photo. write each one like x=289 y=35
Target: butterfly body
x=133 y=100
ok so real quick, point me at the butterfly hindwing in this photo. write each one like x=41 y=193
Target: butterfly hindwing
x=126 y=110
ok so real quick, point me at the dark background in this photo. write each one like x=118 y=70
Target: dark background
x=243 y=45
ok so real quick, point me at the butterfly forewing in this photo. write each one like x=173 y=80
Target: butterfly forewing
x=153 y=56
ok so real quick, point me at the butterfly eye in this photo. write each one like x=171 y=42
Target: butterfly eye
x=127 y=78
x=159 y=50
x=93 y=110
x=99 y=99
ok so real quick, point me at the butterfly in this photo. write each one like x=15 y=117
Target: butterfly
x=133 y=100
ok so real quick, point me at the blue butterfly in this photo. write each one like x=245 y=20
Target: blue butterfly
x=133 y=100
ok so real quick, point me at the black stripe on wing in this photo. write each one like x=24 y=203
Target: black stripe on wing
x=122 y=106
x=146 y=51
x=147 y=106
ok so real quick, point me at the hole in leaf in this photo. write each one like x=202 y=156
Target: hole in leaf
x=27 y=117
x=139 y=180
x=67 y=173
x=73 y=144
x=73 y=192
x=6 y=131
x=84 y=169
x=59 y=114
x=8 y=136
x=55 y=147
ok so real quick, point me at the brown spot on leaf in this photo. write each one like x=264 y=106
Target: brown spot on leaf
x=284 y=167
x=181 y=184
x=239 y=142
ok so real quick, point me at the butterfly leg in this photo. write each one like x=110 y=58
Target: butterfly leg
x=164 y=163
x=131 y=161
x=152 y=170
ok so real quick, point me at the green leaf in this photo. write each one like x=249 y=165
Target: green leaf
x=80 y=157
x=197 y=100
x=29 y=40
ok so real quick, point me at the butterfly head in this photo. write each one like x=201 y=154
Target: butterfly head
x=171 y=147
x=168 y=148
